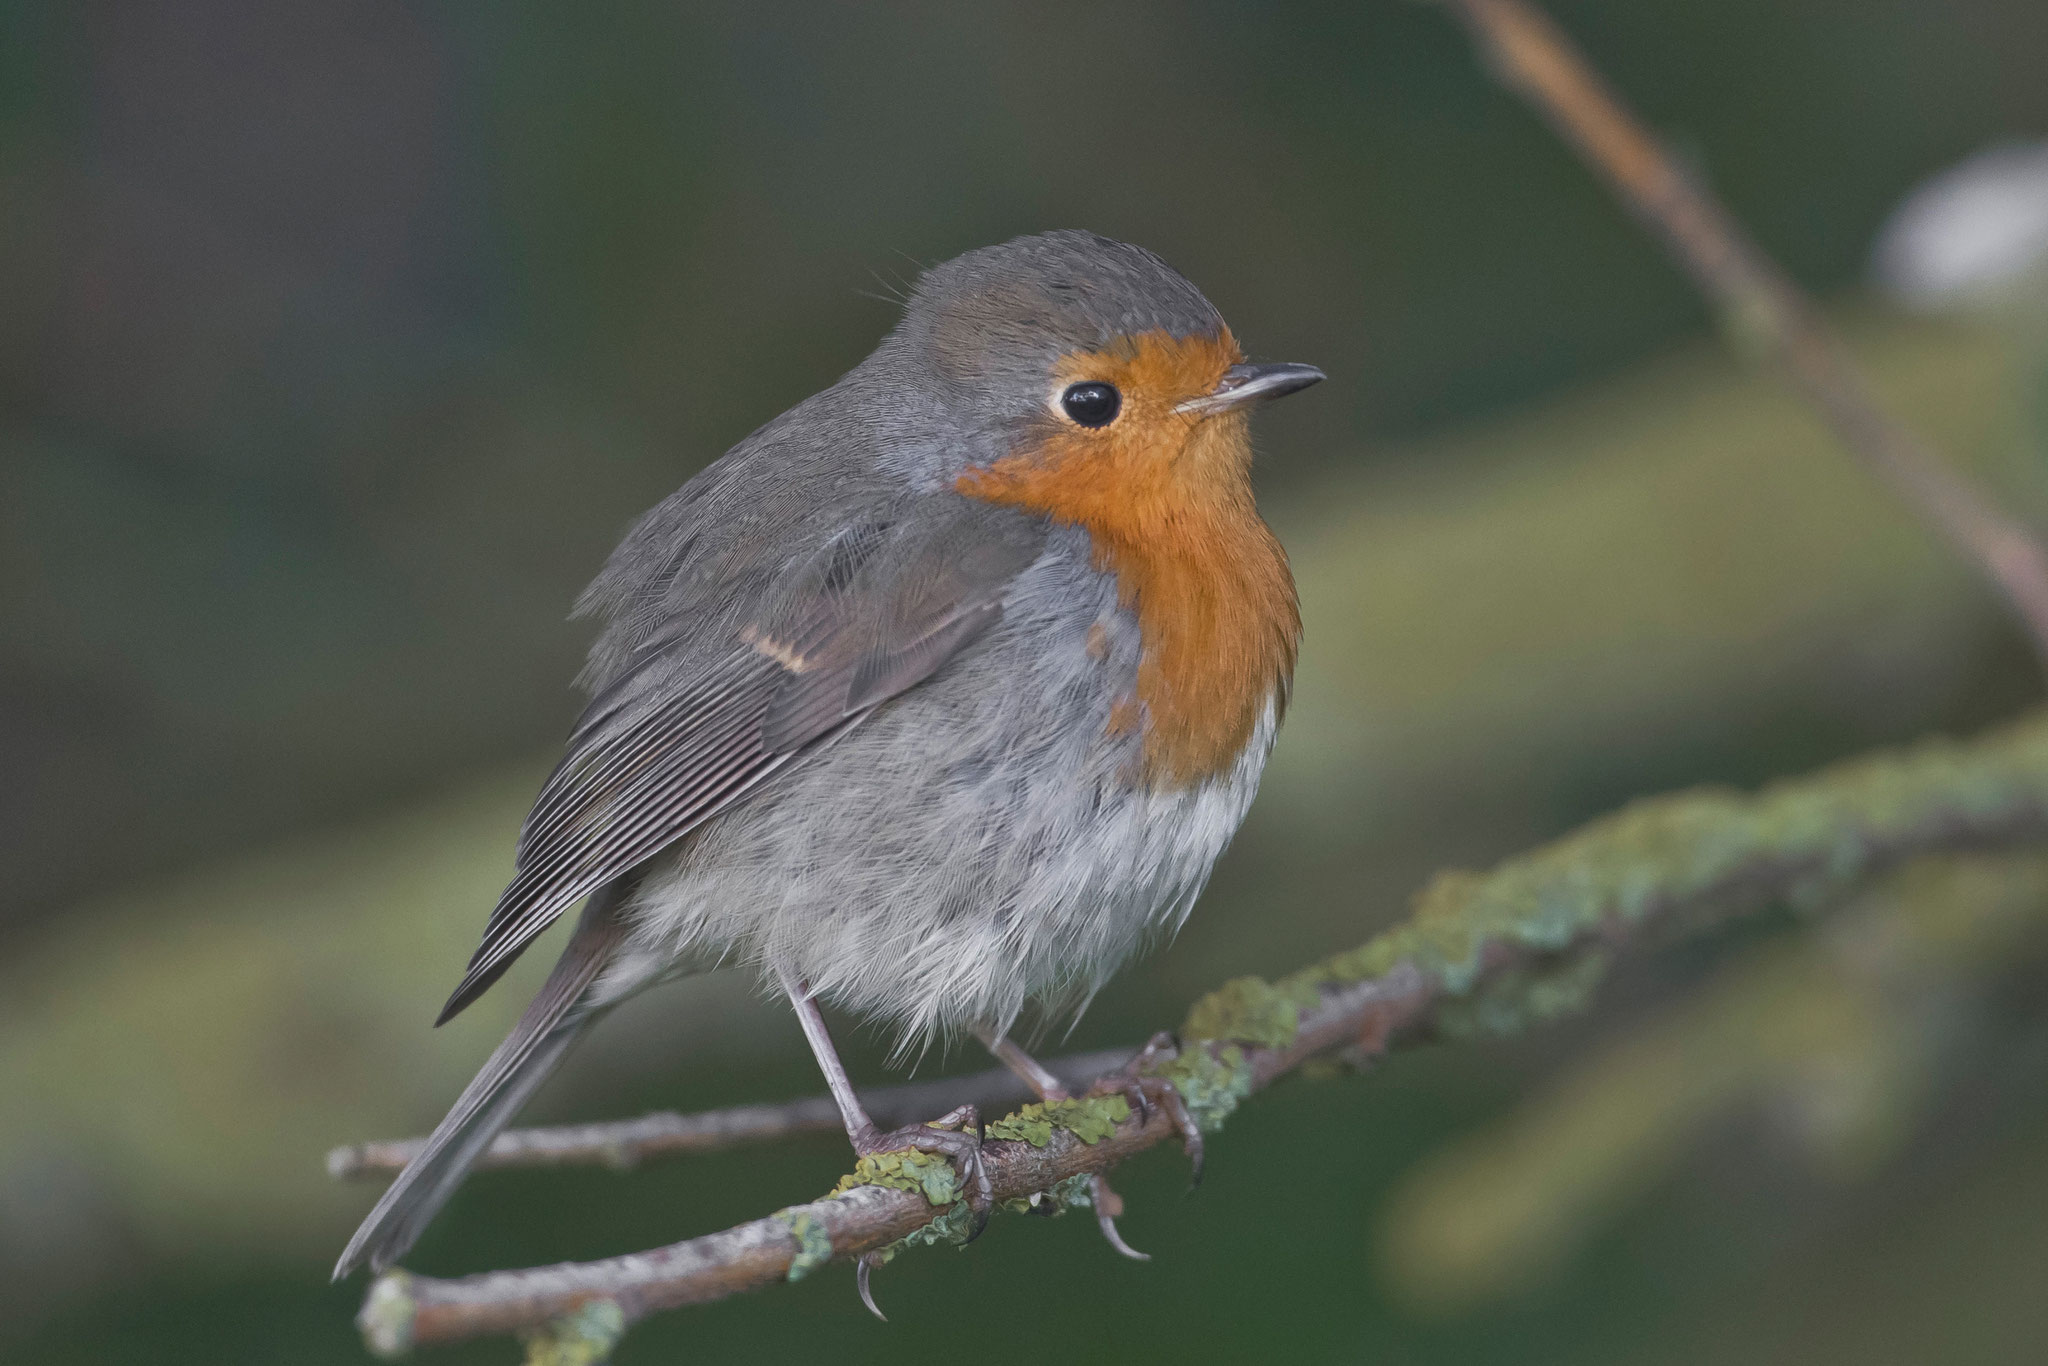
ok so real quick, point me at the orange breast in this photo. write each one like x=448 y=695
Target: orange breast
x=1167 y=501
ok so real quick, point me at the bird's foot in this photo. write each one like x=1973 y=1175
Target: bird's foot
x=1145 y=1093
x=955 y=1136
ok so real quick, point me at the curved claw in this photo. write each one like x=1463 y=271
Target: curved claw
x=1116 y=1240
x=1108 y=1204
x=862 y=1269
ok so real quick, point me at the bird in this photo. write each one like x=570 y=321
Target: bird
x=934 y=699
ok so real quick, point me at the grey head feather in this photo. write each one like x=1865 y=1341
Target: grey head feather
x=1034 y=298
x=983 y=330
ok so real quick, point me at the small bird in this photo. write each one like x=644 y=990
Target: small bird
x=936 y=698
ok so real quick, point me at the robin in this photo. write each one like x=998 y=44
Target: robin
x=936 y=698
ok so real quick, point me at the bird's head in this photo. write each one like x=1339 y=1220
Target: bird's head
x=1084 y=369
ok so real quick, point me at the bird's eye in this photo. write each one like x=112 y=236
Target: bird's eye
x=1091 y=403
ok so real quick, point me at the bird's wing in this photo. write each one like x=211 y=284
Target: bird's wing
x=690 y=724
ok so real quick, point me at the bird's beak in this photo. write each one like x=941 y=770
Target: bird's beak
x=1242 y=384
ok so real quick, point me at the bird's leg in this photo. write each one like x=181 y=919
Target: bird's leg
x=955 y=1136
x=1029 y=1070
x=1034 y=1074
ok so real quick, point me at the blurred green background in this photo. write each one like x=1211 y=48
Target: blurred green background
x=338 y=343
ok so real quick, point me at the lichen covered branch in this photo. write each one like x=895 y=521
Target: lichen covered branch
x=1480 y=952
x=1756 y=299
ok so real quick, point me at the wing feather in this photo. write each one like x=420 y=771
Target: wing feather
x=689 y=725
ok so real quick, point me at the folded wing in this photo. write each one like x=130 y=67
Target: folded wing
x=690 y=724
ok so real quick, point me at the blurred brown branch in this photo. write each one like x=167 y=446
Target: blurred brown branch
x=1530 y=54
x=1497 y=952
x=629 y=1142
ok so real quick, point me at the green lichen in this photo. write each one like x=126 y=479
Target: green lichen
x=1806 y=840
x=1074 y=1192
x=953 y=1225
x=1565 y=989
x=585 y=1336
x=813 y=1242
x=908 y=1170
x=929 y=1175
x=1211 y=1082
x=1090 y=1119
x=1250 y=1010
x=1515 y=1001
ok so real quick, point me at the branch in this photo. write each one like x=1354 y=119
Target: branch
x=1531 y=55
x=627 y=1143
x=1842 y=1044
x=1493 y=952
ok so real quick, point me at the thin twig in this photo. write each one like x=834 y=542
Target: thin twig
x=627 y=1143
x=1510 y=941
x=1531 y=55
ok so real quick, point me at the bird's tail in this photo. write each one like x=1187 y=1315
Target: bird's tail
x=499 y=1091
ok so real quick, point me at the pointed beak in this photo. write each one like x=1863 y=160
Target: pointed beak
x=1242 y=384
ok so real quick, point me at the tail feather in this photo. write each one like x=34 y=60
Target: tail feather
x=499 y=1091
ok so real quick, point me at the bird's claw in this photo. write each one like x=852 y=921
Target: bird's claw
x=955 y=1136
x=1108 y=1205
x=862 y=1269
x=1144 y=1091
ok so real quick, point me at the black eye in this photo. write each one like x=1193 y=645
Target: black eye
x=1092 y=403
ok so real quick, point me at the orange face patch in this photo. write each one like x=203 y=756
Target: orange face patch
x=1166 y=498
